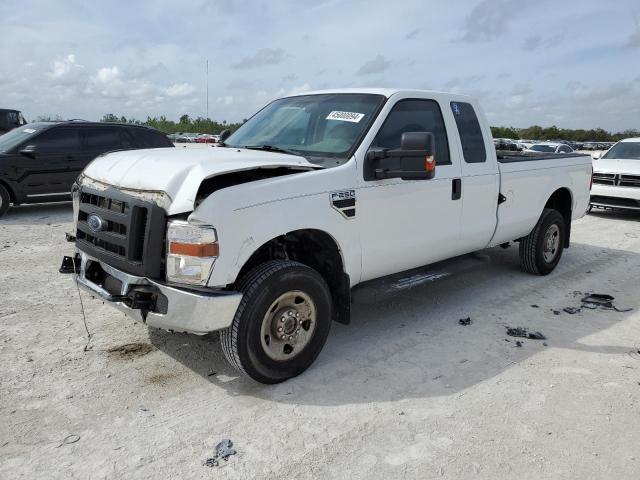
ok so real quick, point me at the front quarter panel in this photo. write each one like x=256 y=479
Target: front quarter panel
x=249 y=215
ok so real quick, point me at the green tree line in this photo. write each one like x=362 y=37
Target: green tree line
x=185 y=124
x=536 y=132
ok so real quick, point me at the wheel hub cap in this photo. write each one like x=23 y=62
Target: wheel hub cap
x=288 y=325
x=551 y=244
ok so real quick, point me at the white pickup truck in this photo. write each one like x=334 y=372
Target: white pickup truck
x=264 y=237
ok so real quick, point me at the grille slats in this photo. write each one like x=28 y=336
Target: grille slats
x=630 y=180
x=616 y=180
x=132 y=234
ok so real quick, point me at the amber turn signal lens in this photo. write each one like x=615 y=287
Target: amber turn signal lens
x=429 y=164
x=194 y=249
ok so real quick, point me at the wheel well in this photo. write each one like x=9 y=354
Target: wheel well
x=561 y=201
x=12 y=195
x=316 y=249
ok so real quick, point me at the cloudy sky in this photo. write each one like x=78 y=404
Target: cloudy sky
x=573 y=63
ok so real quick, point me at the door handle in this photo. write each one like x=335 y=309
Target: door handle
x=456 y=189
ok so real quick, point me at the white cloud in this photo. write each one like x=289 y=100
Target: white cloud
x=300 y=89
x=128 y=65
x=62 y=67
x=378 y=65
x=179 y=90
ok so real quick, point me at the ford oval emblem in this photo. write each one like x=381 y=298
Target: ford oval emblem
x=95 y=223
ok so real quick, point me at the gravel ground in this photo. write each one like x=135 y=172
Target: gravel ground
x=405 y=391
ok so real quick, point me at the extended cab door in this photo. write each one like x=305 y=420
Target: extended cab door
x=480 y=176
x=409 y=223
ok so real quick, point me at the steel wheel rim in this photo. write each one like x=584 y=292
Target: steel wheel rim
x=288 y=326
x=551 y=243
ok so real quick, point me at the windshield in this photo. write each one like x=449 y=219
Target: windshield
x=13 y=138
x=321 y=127
x=543 y=148
x=622 y=150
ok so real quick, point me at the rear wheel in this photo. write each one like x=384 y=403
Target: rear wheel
x=540 y=251
x=4 y=200
x=281 y=324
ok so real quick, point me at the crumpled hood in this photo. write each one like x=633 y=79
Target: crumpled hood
x=178 y=172
x=630 y=167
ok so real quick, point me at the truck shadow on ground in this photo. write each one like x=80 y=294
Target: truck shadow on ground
x=38 y=214
x=405 y=340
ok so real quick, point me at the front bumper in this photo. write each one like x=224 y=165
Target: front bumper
x=615 y=196
x=158 y=305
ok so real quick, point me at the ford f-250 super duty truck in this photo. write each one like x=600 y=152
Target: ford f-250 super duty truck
x=264 y=237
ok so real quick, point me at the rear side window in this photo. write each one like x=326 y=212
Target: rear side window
x=57 y=140
x=471 y=136
x=147 y=138
x=415 y=116
x=103 y=139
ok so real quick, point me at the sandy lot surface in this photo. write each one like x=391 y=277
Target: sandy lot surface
x=403 y=392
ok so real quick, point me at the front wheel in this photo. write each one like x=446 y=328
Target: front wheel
x=282 y=322
x=4 y=200
x=540 y=251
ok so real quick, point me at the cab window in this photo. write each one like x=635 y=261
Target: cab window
x=413 y=115
x=57 y=140
x=470 y=132
x=103 y=139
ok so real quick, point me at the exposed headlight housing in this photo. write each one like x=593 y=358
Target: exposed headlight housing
x=191 y=252
x=75 y=197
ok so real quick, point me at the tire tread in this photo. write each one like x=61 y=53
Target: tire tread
x=247 y=285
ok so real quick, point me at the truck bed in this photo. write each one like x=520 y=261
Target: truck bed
x=527 y=181
x=507 y=156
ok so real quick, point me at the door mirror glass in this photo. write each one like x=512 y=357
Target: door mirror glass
x=414 y=160
x=224 y=135
x=29 y=151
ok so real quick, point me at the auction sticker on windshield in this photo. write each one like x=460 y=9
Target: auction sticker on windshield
x=345 y=116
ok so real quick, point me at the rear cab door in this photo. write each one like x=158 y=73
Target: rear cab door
x=480 y=175
x=408 y=223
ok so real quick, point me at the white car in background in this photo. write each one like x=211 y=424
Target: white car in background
x=549 y=148
x=616 y=176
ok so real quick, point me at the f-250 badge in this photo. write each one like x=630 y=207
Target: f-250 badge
x=344 y=201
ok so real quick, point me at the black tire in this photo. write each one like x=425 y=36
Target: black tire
x=5 y=199
x=535 y=259
x=242 y=342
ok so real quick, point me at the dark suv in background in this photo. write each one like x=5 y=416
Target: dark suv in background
x=10 y=119
x=40 y=161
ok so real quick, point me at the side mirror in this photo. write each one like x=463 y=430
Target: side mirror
x=596 y=155
x=224 y=135
x=29 y=151
x=414 y=160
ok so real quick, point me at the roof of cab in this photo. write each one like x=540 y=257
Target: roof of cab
x=634 y=139
x=387 y=92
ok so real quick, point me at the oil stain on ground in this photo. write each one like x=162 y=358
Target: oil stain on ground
x=130 y=350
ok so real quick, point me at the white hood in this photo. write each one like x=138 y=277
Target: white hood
x=615 y=165
x=178 y=172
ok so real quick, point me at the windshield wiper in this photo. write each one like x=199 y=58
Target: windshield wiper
x=271 y=148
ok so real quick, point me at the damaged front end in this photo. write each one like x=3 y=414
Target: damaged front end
x=154 y=303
